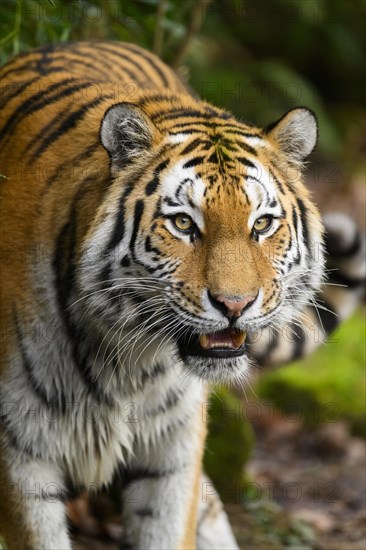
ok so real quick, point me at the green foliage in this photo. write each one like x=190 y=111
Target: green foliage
x=328 y=385
x=229 y=443
x=256 y=57
x=155 y=24
x=260 y=58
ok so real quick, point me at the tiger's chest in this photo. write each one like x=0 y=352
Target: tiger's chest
x=100 y=438
x=86 y=437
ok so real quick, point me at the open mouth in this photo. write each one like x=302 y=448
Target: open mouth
x=224 y=343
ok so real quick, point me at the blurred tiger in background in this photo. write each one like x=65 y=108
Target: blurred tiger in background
x=152 y=245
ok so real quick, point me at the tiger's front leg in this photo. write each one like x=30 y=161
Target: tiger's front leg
x=161 y=491
x=32 y=511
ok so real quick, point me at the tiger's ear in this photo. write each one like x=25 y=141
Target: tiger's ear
x=126 y=133
x=296 y=133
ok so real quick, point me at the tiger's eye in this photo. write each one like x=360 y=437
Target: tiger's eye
x=262 y=224
x=183 y=223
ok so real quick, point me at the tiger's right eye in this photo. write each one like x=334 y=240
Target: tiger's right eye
x=184 y=223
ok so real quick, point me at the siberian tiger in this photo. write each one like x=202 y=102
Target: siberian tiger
x=150 y=243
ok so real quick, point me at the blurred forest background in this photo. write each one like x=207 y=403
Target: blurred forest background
x=259 y=58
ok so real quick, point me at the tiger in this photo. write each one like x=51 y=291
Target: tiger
x=152 y=246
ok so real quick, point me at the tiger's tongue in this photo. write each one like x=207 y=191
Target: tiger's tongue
x=227 y=338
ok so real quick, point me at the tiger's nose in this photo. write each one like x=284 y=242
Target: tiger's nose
x=231 y=307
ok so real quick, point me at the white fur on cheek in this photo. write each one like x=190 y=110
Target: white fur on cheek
x=179 y=185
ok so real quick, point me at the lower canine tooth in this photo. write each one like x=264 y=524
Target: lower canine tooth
x=203 y=340
x=238 y=338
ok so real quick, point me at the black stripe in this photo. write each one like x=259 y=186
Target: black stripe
x=125 y=262
x=152 y=373
x=72 y=163
x=194 y=162
x=139 y=474
x=21 y=55
x=225 y=128
x=29 y=67
x=213 y=158
x=7 y=94
x=163 y=164
x=145 y=512
x=295 y=221
x=150 y=60
x=246 y=162
x=170 y=202
x=121 y=57
x=37 y=387
x=80 y=60
x=59 y=69
x=70 y=122
x=180 y=187
x=184 y=112
x=245 y=147
x=158 y=97
x=119 y=226
x=278 y=183
x=152 y=186
x=195 y=144
x=151 y=249
x=139 y=209
x=171 y=400
x=24 y=66
x=171 y=113
x=33 y=103
x=64 y=272
x=304 y=223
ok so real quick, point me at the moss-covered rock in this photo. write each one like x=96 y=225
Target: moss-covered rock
x=328 y=385
x=228 y=446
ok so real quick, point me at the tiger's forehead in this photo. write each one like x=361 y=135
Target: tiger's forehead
x=224 y=158
x=225 y=138
x=213 y=176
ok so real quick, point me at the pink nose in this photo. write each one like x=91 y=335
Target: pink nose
x=234 y=308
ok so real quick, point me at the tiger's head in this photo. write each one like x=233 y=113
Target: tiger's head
x=208 y=233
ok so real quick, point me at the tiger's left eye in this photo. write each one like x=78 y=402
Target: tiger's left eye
x=261 y=225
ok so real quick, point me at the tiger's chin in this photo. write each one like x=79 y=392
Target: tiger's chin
x=217 y=369
x=217 y=357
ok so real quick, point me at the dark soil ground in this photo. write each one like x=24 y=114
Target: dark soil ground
x=312 y=485
x=306 y=492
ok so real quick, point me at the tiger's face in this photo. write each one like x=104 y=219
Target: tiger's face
x=211 y=237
